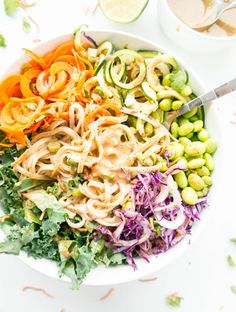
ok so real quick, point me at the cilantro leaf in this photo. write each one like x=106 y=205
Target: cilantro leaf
x=233 y=289
x=2 y=41
x=26 y=25
x=230 y=261
x=11 y=6
x=233 y=240
x=174 y=300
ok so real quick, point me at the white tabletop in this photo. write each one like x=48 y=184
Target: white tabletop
x=201 y=276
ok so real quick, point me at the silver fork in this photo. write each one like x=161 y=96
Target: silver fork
x=222 y=90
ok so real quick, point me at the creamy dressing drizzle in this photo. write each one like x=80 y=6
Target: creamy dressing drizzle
x=115 y=155
x=193 y=12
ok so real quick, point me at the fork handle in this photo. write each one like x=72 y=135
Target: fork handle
x=222 y=90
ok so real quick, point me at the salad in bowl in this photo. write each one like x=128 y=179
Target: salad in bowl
x=89 y=175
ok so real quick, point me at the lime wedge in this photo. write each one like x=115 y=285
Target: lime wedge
x=123 y=11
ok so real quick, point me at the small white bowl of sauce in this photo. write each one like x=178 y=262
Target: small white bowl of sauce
x=179 y=17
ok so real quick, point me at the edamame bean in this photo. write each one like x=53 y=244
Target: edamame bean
x=190 y=135
x=76 y=193
x=171 y=152
x=53 y=147
x=195 y=182
x=200 y=194
x=193 y=119
x=184 y=162
x=188 y=158
x=211 y=146
x=182 y=121
x=194 y=137
x=166 y=80
x=196 y=163
x=158 y=115
x=165 y=105
x=204 y=192
x=148 y=161
x=190 y=114
x=195 y=149
x=127 y=205
x=208 y=180
x=72 y=160
x=132 y=121
x=184 y=141
x=154 y=158
x=203 y=135
x=179 y=149
x=175 y=150
x=209 y=161
x=197 y=125
x=181 y=180
x=163 y=167
x=203 y=171
x=185 y=129
x=187 y=90
x=148 y=128
x=189 y=196
x=174 y=129
x=176 y=105
x=187 y=173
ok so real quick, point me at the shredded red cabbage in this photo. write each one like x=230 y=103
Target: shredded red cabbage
x=145 y=191
x=88 y=38
x=167 y=157
x=136 y=234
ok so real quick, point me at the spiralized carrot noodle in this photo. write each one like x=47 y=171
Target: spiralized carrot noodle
x=44 y=90
x=9 y=87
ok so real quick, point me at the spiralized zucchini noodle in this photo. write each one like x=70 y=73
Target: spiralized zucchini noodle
x=87 y=121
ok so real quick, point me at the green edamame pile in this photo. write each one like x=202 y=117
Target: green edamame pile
x=167 y=89
x=195 y=147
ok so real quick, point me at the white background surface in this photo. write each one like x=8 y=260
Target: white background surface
x=201 y=276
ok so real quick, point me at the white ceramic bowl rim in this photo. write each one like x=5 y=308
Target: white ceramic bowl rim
x=122 y=273
x=196 y=33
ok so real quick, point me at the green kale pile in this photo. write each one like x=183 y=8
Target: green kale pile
x=75 y=253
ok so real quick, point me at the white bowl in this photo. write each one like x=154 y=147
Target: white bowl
x=124 y=273
x=188 y=38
